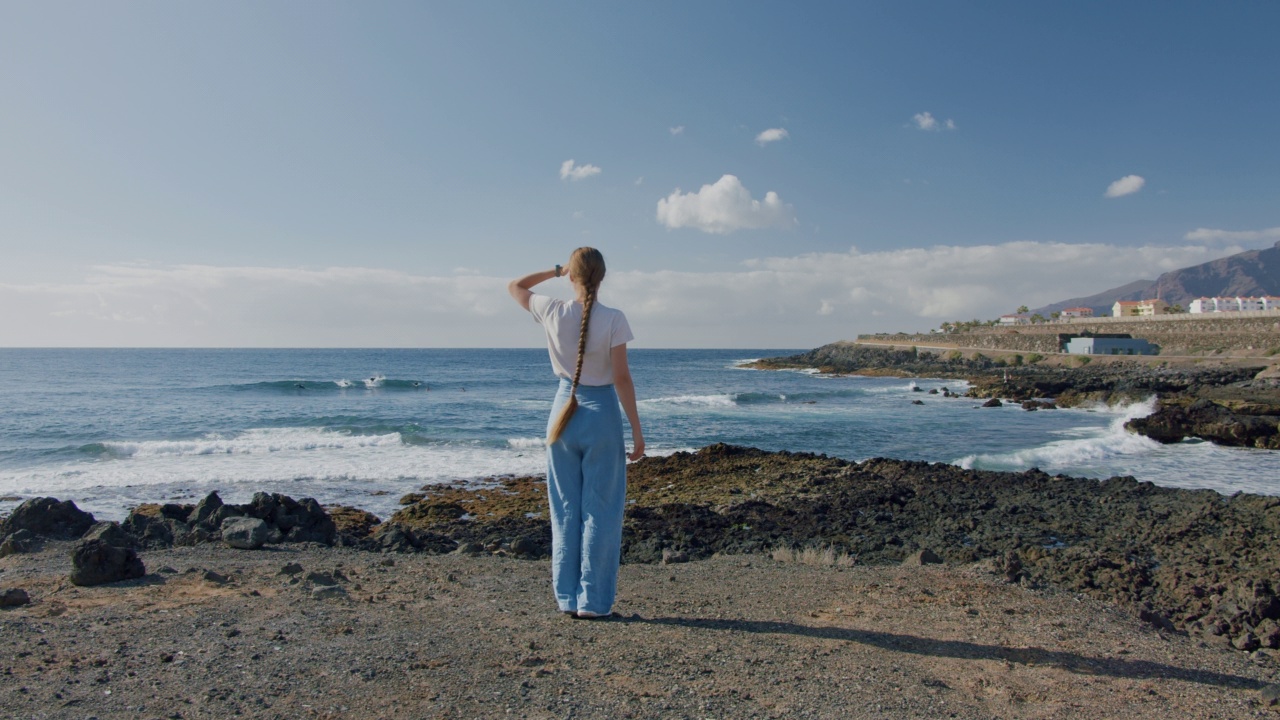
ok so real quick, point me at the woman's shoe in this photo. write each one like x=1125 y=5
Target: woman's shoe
x=588 y=615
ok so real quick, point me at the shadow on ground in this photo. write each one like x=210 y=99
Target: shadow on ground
x=1082 y=664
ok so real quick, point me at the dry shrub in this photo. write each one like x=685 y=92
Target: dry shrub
x=825 y=556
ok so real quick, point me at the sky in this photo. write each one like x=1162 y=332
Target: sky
x=757 y=174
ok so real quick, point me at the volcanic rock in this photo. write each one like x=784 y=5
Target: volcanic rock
x=95 y=562
x=244 y=533
x=48 y=517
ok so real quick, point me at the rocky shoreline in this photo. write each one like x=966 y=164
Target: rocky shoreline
x=1186 y=561
x=1237 y=405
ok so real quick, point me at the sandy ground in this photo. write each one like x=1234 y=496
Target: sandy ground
x=413 y=636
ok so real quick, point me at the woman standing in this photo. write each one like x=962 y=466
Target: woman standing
x=586 y=457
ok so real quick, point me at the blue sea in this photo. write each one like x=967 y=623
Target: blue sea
x=111 y=429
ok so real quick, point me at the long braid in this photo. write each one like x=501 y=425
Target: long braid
x=566 y=412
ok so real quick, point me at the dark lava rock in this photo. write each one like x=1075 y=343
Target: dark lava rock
x=14 y=597
x=672 y=557
x=95 y=562
x=203 y=512
x=1269 y=696
x=111 y=533
x=923 y=557
x=296 y=520
x=215 y=577
x=1208 y=420
x=48 y=517
x=526 y=546
x=1038 y=405
x=993 y=402
x=290 y=569
x=244 y=533
x=917 y=402
x=21 y=541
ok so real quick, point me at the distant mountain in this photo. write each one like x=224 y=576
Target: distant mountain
x=1252 y=273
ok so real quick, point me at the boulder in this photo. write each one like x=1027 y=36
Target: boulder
x=924 y=557
x=993 y=402
x=203 y=512
x=48 y=517
x=95 y=562
x=111 y=533
x=671 y=557
x=21 y=541
x=244 y=533
x=525 y=546
x=14 y=597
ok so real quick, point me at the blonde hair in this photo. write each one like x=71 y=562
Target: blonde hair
x=586 y=267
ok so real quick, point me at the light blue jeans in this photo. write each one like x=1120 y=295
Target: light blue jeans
x=587 y=491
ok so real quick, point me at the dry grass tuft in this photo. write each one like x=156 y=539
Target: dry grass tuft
x=811 y=555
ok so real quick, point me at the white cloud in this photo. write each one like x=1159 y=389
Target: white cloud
x=569 y=171
x=579 y=215
x=722 y=208
x=772 y=135
x=1127 y=185
x=639 y=181
x=926 y=121
x=1211 y=235
x=795 y=301
x=676 y=130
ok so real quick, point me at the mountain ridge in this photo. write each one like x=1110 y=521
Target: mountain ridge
x=1246 y=274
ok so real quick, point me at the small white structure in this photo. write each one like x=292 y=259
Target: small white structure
x=1080 y=312
x=1139 y=308
x=1019 y=319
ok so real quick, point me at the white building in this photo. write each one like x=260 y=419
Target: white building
x=1019 y=319
x=1139 y=308
x=1234 y=304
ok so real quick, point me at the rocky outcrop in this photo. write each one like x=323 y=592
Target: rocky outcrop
x=48 y=517
x=1245 y=408
x=1208 y=420
x=96 y=562
x=286 y=520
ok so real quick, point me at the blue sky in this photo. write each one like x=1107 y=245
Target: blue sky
x=318 y=173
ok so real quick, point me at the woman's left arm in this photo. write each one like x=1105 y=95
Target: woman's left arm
x=627 y=396
x=519 y=289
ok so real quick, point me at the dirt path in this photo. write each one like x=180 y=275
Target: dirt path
x=448 y=636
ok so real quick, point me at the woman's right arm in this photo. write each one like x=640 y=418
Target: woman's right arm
x=626 y=390
x=520 y=289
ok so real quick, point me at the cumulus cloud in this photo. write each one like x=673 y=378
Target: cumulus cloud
x=926 y=121
x=772 y=135
x=1240 y=236
x=722 y=208
x=1127 y=185
x=570 y=171
x=789 y=301
x=676 y=130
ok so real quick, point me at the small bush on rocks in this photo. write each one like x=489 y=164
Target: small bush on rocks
x=826 y=556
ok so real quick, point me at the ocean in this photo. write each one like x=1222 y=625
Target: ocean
x=112 y=428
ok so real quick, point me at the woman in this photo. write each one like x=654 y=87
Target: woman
x=586 y=465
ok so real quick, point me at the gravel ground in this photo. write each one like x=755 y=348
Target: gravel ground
x=309 y=631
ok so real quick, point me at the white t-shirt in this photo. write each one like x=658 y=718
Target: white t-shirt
x=561 y=320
